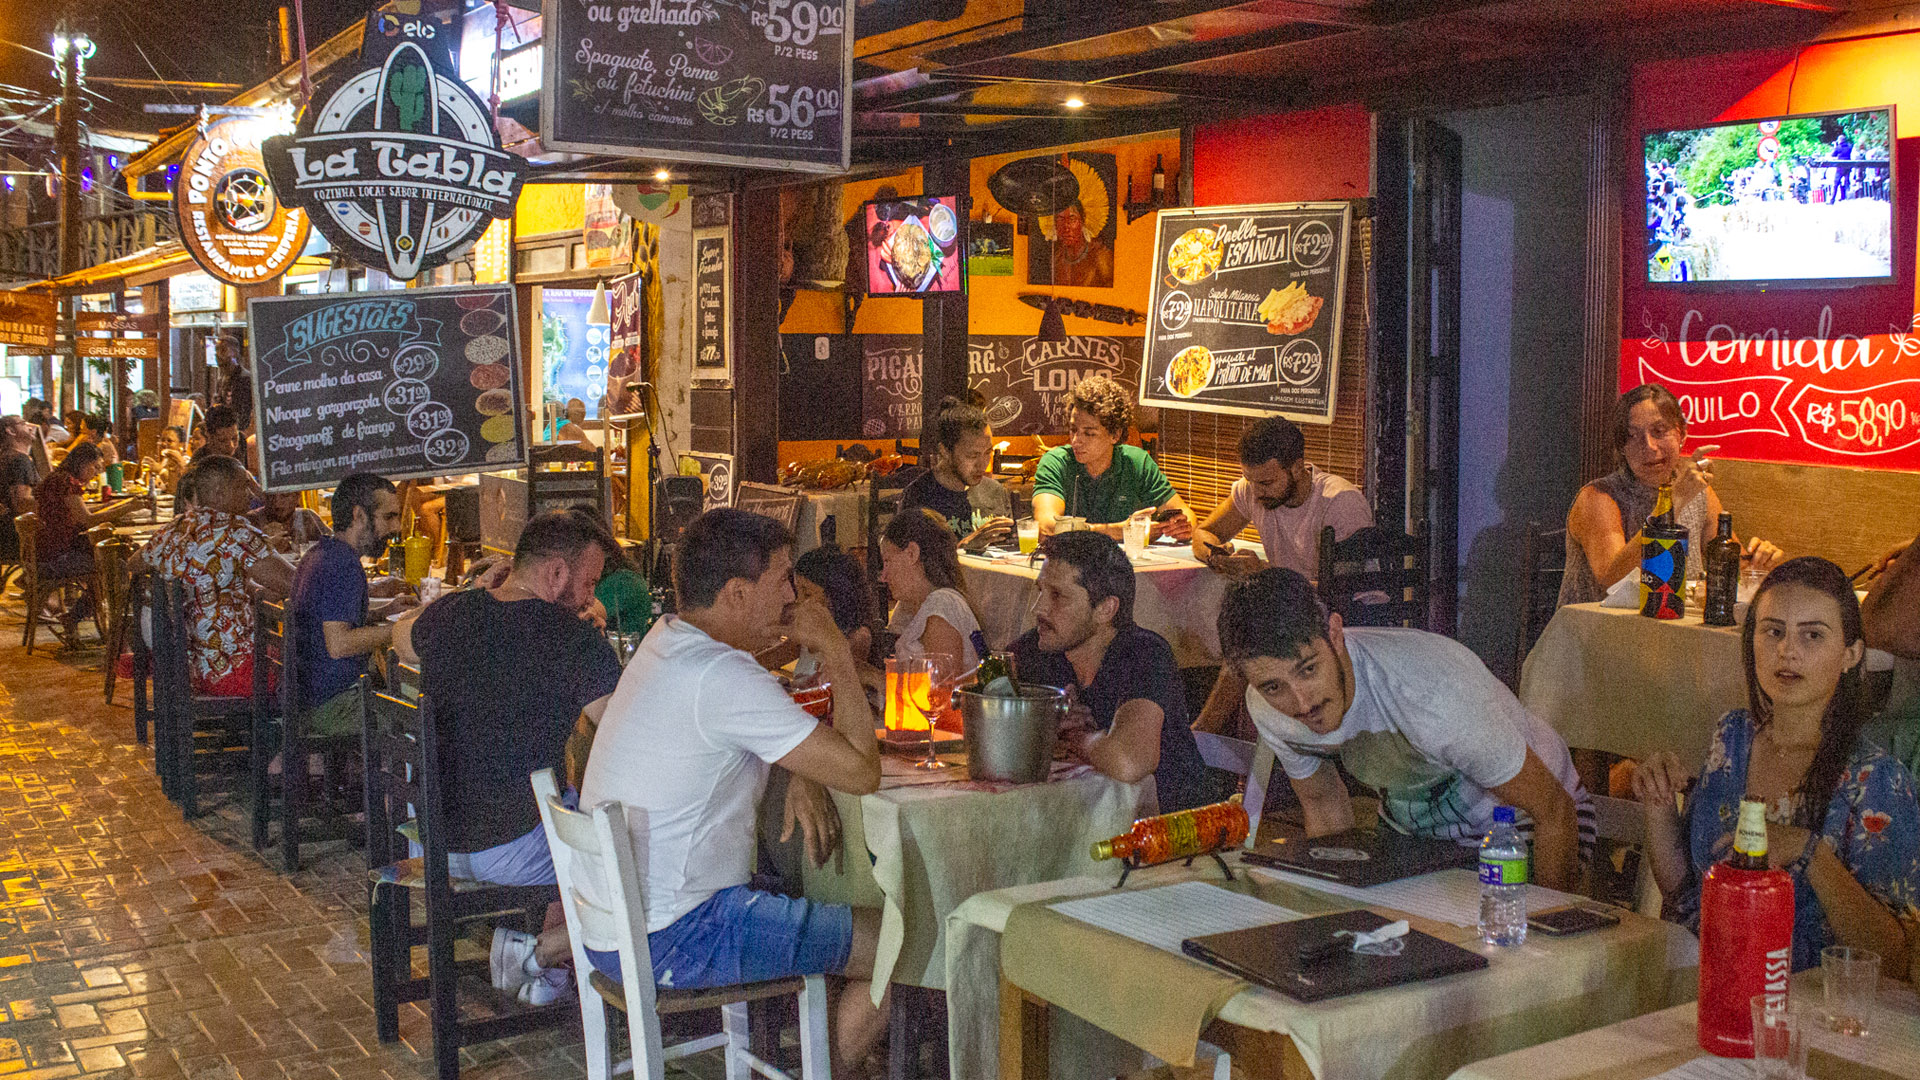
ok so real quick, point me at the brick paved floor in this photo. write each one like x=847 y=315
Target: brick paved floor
x=136 y=944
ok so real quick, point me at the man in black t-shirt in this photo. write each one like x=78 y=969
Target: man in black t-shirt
x=1130 y=719
x=17 y=480
x=509 y=670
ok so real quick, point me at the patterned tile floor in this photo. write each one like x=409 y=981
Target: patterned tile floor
x=134 y=943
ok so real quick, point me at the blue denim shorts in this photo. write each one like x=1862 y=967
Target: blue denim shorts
x=739 y=935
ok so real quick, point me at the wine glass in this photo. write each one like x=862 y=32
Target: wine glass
x=943 y=673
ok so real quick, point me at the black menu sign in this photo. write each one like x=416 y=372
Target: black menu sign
x=1025 y=380
x=710 y=289
x=420 y=382
x=1245 y=312
x=762 y=83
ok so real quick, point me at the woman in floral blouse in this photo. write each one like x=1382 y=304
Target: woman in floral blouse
x=1841 y=815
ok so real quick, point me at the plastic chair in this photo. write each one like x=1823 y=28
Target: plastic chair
x=602 y=834
x=401 y=746
x=1252 y=761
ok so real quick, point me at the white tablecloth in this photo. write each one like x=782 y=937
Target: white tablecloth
x=1546 y=989
x=1175 y=596
x=847 y=507
x=1647 y=1046
x=1612 y=679
x=917 y=850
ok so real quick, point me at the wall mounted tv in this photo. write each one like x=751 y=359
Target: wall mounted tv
x=1799 y=200
x=915 y=246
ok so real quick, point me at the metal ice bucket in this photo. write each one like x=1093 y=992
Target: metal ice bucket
x=1011 y=738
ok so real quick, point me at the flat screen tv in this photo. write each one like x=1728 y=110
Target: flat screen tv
x=916 y=246
x=1797 y=200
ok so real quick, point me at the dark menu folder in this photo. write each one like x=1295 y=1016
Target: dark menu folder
x=1362 y=857
x=1270 y=956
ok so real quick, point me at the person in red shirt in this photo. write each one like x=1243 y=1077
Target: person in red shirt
x=64 y=517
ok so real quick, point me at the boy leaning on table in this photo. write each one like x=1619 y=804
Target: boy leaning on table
x=1415 y=715
x=686 y=742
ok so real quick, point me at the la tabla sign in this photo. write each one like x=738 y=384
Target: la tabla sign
x=398 y=162
x=230 y=221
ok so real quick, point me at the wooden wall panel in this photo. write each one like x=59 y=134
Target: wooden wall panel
x=1848 y=515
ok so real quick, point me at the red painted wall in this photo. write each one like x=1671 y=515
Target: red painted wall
x=1783 y=375
x=1291 y=157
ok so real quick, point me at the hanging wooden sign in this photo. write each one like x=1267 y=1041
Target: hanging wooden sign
x=118 y=322
x=397 y=160
x=230 y=221
x=125 y=348
x=27 y=320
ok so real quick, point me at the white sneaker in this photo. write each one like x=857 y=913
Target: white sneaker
x=508 y=959
x=551 y=985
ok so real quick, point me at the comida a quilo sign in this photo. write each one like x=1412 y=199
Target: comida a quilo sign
x=396 y=160
x=230 y=221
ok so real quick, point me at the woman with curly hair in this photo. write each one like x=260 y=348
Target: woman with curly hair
x=1841 y=815
x=1098 y=475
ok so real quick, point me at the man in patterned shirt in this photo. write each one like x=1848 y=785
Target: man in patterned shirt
x=217 y=552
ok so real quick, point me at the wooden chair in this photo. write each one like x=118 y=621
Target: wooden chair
x=580 y=479
x=113 y=587
x=602 y=834
x=1543 y=564
x=401 y=748
x=139 y=621
x=1375 y=577
x=37 y=585
x=278 y=708
x=195 y=733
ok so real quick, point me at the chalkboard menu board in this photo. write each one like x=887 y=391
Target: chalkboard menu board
x=421 y=382
x=712 y=336
x=1025 y=380
x=890 y=406
x=1245 y=311
x=820 y=390
x=741 y=82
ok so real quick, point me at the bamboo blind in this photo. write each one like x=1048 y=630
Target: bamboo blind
x=1200 y=451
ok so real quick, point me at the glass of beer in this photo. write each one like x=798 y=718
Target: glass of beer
x=1029 y=535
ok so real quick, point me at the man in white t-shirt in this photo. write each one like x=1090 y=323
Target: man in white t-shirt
x=1414 y=715
x=1287 y=500
x=685 y=744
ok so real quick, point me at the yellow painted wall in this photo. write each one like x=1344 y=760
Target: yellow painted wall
x=550 y=208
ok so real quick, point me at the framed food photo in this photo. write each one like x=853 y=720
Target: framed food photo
x=1245 y=310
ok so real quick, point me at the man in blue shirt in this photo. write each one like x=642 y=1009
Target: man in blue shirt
x=330 y=602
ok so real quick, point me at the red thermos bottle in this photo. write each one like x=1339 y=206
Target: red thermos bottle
x=1746 y=937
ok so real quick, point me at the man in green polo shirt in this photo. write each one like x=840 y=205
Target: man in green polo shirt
x=1099 y=476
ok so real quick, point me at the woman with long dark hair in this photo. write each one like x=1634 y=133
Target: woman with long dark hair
x=64 y=517
x=1841 y=815
x=920 y=562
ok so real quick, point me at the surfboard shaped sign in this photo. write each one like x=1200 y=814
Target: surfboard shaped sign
x=396 y=161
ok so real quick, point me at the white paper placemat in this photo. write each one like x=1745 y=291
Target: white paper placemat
x=1170 y=914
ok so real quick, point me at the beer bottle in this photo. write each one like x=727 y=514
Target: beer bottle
x=1663 y=562
x=1746 y=937
x=1177 y=835
x=1722 y=559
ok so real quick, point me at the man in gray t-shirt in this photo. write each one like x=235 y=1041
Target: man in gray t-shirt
x=1412 y=714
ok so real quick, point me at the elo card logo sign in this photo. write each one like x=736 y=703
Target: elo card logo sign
x=397 y=161
x=230 y=221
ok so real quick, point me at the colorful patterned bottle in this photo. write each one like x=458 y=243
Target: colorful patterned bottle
x=1663 y=562
x=1177 y=835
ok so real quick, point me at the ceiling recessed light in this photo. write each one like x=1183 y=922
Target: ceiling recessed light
x=662 y=175
x=1076 y=103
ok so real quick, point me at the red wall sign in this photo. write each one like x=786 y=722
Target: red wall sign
x=1815 y=376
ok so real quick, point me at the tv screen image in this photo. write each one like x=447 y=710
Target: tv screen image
x=915 y=246
x=1793 y=199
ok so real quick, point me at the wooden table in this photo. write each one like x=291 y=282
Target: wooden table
x=1175 y=596
x=1649 y=1045
x=1546 y=989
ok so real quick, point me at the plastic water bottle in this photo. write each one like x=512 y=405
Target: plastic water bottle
x=1503 y=882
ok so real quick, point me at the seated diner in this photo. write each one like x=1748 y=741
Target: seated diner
x=1099 y=476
